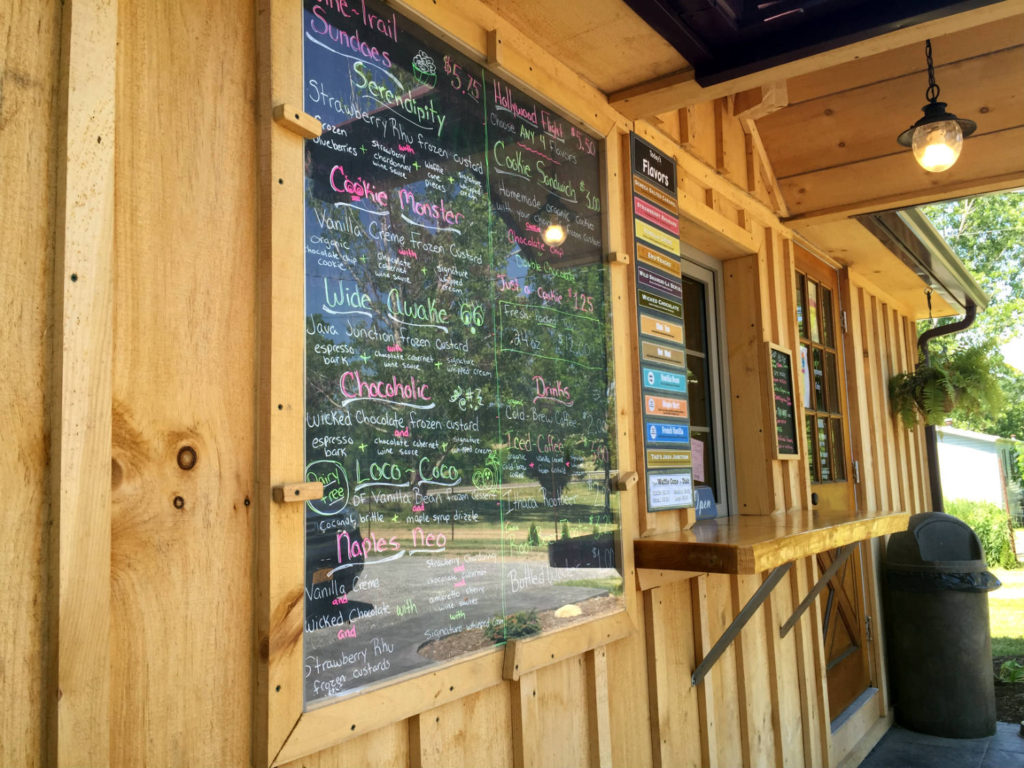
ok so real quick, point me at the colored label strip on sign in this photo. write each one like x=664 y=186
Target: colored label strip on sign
x=656 y=303
x=659 y=282
x=656 y=405
x=656 y=236
x=669 y=491
x=667 y=458
x=667 y=381
x=662 y=432
x=658 y=260
x=657 y=326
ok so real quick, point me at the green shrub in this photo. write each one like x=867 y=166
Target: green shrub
x=520 y=624
x=533 y=537
x=1011 y=671
x=989 y=522
x=565 y=530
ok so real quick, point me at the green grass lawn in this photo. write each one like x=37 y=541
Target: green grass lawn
x=1006 y=613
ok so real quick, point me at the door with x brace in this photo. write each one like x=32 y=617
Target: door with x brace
x=824 y=396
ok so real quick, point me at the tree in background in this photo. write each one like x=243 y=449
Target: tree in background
x=987 y=233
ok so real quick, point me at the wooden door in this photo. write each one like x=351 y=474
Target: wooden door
x=823 y=383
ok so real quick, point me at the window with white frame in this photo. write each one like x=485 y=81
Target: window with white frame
x=707 y=379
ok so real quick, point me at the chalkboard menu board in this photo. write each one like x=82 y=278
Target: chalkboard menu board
x=458 y=381
x=781 y=366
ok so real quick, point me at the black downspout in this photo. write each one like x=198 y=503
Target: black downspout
x=930 y=436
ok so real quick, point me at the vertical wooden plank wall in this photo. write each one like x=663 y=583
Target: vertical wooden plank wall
x=184 y=385
x=881 y=341
x=29 y=126
x=80 y=417
x=183 y=455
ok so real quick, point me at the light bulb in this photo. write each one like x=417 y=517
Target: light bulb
x=937 y=145
x=554 y=233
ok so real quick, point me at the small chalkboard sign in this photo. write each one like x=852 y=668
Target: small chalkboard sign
x=780 y=364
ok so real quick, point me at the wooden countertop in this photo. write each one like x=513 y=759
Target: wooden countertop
x=756 y=543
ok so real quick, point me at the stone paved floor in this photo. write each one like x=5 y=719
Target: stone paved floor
x=900 y=748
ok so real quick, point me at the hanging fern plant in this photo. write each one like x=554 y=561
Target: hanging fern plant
x=958 y=382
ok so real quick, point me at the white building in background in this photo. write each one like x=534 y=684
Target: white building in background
x=980 y=468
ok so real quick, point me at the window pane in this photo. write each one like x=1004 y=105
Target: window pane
x=801 y=309
x=812 y=462
x=705 y=471
x=699 y=334
x=805 y=374
x=831 y=384
x=823 y=449
x=694 y=312
x=826 y=317
x=697 y=390
x=819 y=380
x=838 y=450
x=812 y=311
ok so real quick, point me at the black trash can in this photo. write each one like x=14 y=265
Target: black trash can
x=939 y=650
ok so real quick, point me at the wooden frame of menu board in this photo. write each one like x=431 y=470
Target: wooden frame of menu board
x=785 y=430
x=283 y=731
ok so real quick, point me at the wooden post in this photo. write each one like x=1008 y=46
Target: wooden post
x=78 y=687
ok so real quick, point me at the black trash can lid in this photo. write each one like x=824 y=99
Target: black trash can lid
x=935 y=541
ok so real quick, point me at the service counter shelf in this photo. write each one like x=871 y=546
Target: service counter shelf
x=758 y=543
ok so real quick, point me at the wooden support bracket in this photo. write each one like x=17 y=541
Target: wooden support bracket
x=738 y=623
x=292 y=492
x=625 y=481
x=494 y=52
x=297 y=121
x=617 y=257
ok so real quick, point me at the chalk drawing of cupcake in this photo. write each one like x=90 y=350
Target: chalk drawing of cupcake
x=424 y=70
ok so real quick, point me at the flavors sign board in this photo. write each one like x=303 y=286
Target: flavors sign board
x=658 y=276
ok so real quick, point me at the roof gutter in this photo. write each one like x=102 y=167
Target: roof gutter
x=943 y=260
x=931 y=437
x=914 y=240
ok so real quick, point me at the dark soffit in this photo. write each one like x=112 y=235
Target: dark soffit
x=726 y=39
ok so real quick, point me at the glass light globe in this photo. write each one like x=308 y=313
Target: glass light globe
x=554 y=233
x=937 y=145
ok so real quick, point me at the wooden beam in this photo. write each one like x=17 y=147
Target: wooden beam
x=708 y=730
x=679 y=89
x=761 y=101
x=989 y=163
x=955 y=46
x=860 y=124
x=760 y=163
x=277 y=699
x=598 y=711
x=78 y=697
x=527 y=751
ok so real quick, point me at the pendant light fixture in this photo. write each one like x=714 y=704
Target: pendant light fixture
x=938 y=137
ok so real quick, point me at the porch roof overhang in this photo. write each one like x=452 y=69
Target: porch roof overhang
x=828 y=117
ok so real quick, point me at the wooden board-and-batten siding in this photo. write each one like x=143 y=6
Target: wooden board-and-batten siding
x=178 y=296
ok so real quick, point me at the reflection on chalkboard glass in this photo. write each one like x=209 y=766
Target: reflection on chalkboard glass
x=458 y=384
